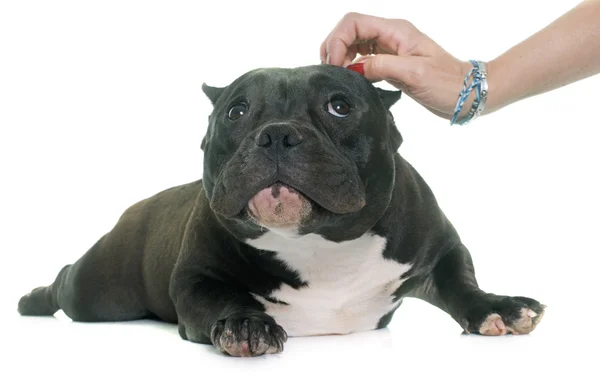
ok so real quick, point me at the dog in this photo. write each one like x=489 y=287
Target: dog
x=307 y=221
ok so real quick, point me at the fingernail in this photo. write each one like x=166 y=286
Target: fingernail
x=358 y=67
x=361 y=59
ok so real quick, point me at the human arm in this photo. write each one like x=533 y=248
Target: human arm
x=564 y=52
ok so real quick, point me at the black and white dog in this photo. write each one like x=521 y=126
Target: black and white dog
x=307 y=222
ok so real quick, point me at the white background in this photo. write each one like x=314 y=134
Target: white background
x=101 y=106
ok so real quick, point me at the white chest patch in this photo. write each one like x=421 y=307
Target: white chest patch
x=350 y=284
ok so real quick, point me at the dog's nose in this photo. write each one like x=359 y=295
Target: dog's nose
x=278 y=134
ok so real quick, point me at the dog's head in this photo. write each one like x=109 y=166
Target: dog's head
x=310 y=148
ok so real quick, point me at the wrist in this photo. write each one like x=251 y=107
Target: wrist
x=500 y=85
x=473 y=96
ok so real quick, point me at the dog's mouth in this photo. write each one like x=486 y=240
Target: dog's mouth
x=279 y=205
x=271 y=200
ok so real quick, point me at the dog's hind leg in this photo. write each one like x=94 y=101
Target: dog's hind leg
x=98 y=287
x=42 y=301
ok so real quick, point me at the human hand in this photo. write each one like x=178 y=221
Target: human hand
x=395 y=51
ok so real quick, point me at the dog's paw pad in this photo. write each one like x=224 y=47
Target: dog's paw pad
x=493 y=326
x=248 y=336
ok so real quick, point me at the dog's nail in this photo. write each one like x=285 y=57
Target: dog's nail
x=327 y=59
x=531 y=313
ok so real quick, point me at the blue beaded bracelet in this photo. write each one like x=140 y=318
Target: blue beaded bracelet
x=479 y=84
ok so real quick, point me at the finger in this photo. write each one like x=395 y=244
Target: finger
x=364 y=55
x=393 y=68
x=323 y=49
x=349 y=56
x=347 y=61
x=353 y=27
x=390 y=35
x=365 y=48
x=371 y=48
x=352 y=53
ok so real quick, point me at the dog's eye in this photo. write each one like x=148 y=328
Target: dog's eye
x=237 y=111
x=338 y=108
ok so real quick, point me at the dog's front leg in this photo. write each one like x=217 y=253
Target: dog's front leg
x=212 y=311
x=453 y=287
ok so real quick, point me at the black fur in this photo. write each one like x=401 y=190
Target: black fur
x=179 y=255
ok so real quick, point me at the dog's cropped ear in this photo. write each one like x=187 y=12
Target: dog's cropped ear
x=213 y=93
x=389 y=97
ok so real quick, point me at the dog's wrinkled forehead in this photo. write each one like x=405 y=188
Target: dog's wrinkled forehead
x=281 y=90
x=287 y=89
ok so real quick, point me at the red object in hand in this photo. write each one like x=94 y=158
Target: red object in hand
x=358 y=67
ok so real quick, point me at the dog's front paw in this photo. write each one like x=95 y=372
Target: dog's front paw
x=248 y=336
x=499 y=315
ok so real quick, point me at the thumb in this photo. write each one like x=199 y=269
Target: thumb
x=392 y=68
